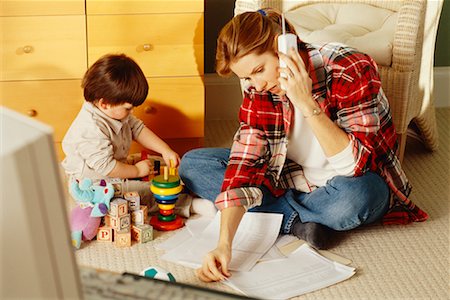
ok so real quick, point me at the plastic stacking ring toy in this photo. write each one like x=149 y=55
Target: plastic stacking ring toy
x=166 y=198
x=165 y=189
x=167 y=201
x=166 y=218
x=171 y=182
x=166 y=206
x=166 y=192
x=166 y=212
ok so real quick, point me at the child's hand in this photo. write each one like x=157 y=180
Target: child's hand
x=144 y=167
x=169 y=156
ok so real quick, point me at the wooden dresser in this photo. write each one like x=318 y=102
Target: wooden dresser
x=45 y=50
x=43 y=55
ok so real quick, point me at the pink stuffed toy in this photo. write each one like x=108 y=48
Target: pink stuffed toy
x=92 y=205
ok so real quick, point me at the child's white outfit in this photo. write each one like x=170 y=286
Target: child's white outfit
x=95 y=141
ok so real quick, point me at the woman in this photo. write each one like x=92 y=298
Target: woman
x=322 y=153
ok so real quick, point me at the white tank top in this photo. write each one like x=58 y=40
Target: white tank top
x=304 y=148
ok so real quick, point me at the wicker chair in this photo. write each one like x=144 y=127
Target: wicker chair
x=399 y=35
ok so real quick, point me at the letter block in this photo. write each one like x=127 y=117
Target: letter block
x=144 y=209
x=118 y=207
x=117 y=183
x=106 y=221
x=120 y=223
x=124 y=222
x=137 y=217
x=134 y=201
x=142 y=233
x=105 y=234
x=122 y=238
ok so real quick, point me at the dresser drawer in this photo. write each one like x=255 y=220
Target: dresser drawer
x=140 y=7
x=51 y=47
x=54 y=102
x=162 y=44
x=174 y=107
x=41 y=8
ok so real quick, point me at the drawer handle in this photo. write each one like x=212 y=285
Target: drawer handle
x=32 y=113
x=27 y=49
x=147 y=47
x=149 y=110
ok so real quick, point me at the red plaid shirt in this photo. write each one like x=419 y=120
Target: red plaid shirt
x=346 y=85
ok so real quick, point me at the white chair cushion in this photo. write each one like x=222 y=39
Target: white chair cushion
x=367 y=28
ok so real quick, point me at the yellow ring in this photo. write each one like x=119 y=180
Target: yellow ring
x=166 y=192
x=166 y=206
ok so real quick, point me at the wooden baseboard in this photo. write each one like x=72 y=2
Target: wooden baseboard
x=442 y=86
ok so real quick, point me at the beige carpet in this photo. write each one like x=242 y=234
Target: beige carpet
x=393 y=262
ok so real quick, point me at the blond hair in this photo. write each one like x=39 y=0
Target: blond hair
x=246 y=33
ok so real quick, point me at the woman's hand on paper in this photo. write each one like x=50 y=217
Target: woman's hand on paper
x=215 y=265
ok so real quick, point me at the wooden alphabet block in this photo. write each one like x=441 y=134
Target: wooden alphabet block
x=142 y=233
x=124 y=222
x=144 y=209
x=113 y=222
x=119 y=223
x=134 y=201
x=105 y=234
x=106 y=221
x=122 y=238
x=137 y=217
x=118 y=207
x=117 y=184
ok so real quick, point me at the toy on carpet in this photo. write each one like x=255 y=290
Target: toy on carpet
x=92 y=204
x=165 y=189
x=156 y=165
x=126 y=221
x=158 y=273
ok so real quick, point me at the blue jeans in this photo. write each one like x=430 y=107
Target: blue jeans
x=342 y=204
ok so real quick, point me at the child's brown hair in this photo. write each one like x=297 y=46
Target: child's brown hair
x=117 y=79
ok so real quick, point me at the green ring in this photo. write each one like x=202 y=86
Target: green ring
x=171 y=182
x=166 y=185
x=166 y=218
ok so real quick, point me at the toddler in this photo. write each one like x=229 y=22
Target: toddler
x=99 y=139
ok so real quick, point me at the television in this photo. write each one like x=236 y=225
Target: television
x=37 y=258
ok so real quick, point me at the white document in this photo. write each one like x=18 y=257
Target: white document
x=276 y=251
x=303 y=271
x=180 y=236
x=193 y=227
x=256 y=234
x=196 y=226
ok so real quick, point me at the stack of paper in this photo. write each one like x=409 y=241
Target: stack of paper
x=264 y=265
x=303 y=271
x=256 y=234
